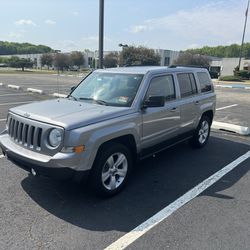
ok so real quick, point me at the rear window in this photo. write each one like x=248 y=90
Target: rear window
x=187 y=84
x=205 y=82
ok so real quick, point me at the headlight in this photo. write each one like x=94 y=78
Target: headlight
x=55 y=137
x=7 y=123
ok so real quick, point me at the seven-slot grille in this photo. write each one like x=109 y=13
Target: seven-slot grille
x=25 y=134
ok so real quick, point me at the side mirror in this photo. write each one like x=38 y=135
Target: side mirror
x=154 y=101
x=73 y=88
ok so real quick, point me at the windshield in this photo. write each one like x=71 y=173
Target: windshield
x=111 y=89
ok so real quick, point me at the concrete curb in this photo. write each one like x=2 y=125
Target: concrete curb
x=11 y=86
x=231 y=128
x=1 y=84
x=38 y=91
x=59 y=95
x=231 y=86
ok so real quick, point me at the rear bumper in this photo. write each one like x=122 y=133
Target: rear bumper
x=59 y=166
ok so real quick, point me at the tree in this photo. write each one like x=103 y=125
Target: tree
x=47 y=59
x=232 y=50
x=10 y=48
x=62 y=61
x=139 y=56
x=17 y=62
x=111 y=60
x=192 y=60
x=76 y=58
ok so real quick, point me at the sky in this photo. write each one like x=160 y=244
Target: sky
x=159 y=24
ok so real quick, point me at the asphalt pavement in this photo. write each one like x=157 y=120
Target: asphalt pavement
x=39 y=213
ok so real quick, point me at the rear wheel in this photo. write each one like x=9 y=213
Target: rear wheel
x=202 y=132
x=111 y=169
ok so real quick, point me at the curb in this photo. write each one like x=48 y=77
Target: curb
x=231 y=128
x=1 y=84
x=11 y=86
x=39 y=91
x=231 y=87
x=59 y=95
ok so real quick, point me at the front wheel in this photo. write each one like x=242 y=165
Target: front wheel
x=111 y=169
x=202 y=132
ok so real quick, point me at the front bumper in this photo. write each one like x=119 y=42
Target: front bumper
x=59 y=166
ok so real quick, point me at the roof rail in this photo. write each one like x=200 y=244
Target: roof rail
x=187 y=66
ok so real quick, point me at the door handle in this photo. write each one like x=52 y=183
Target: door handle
x=173 y=109
x=196 y=102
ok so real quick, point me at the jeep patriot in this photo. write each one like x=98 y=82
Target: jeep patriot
x=113 y=117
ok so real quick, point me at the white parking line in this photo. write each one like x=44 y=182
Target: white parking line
x=226 y=107
x=133 y=235
x=16 y=94
x=1 y=156
x=13 y=103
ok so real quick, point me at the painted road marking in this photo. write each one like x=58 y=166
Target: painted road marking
x=16 y=94
x=1 y=156
x=13 y=103
x=226 y=107
x=136 y=233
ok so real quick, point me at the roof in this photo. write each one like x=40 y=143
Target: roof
x=146 y=69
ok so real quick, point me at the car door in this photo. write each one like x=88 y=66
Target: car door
x=189 y=102
x=160 y=123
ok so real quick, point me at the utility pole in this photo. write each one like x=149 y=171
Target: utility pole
x=101 y=26
x=243 y=36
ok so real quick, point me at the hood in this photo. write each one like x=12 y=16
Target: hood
x=68 y=113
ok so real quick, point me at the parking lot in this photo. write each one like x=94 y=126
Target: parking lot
x=38 y=213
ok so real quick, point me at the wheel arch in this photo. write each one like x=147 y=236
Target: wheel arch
x=126 y=140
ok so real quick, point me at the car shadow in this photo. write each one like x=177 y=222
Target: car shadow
x=154 y=183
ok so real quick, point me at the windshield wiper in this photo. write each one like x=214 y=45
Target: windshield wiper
x=94 y=100
x=71 y=96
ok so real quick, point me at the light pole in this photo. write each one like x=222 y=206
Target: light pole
x=243 y=36
x=57 y=51
x=123 y=46
x=101 y=26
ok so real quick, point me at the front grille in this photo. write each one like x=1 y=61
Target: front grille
x=25 y=134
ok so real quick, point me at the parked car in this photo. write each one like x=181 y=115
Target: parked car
x=111 y=119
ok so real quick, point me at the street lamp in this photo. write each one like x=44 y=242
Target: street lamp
x=123 y=45
x=57 y=51
x=101 y=25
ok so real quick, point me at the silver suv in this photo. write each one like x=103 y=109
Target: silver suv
x=113 y=117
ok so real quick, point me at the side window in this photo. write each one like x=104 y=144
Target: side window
x=162 y=86
x=205 y=82
x=187 y=84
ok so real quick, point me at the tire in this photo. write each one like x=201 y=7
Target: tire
x=111 y=169
x=202 y=132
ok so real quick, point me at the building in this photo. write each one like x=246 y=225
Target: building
x=226 y=66
x=167 y=56
x=36 y=58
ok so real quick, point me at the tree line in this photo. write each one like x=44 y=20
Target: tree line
x=232 y=50
x=132 y=56
x=60 y=61
x=11 y=48
x=129 y=56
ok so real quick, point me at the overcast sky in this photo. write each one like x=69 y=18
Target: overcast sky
x=166 y=24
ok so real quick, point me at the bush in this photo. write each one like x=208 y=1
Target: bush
x=230 y=78
x=244 y=74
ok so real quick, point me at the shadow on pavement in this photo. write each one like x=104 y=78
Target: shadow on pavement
x=155 y=183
